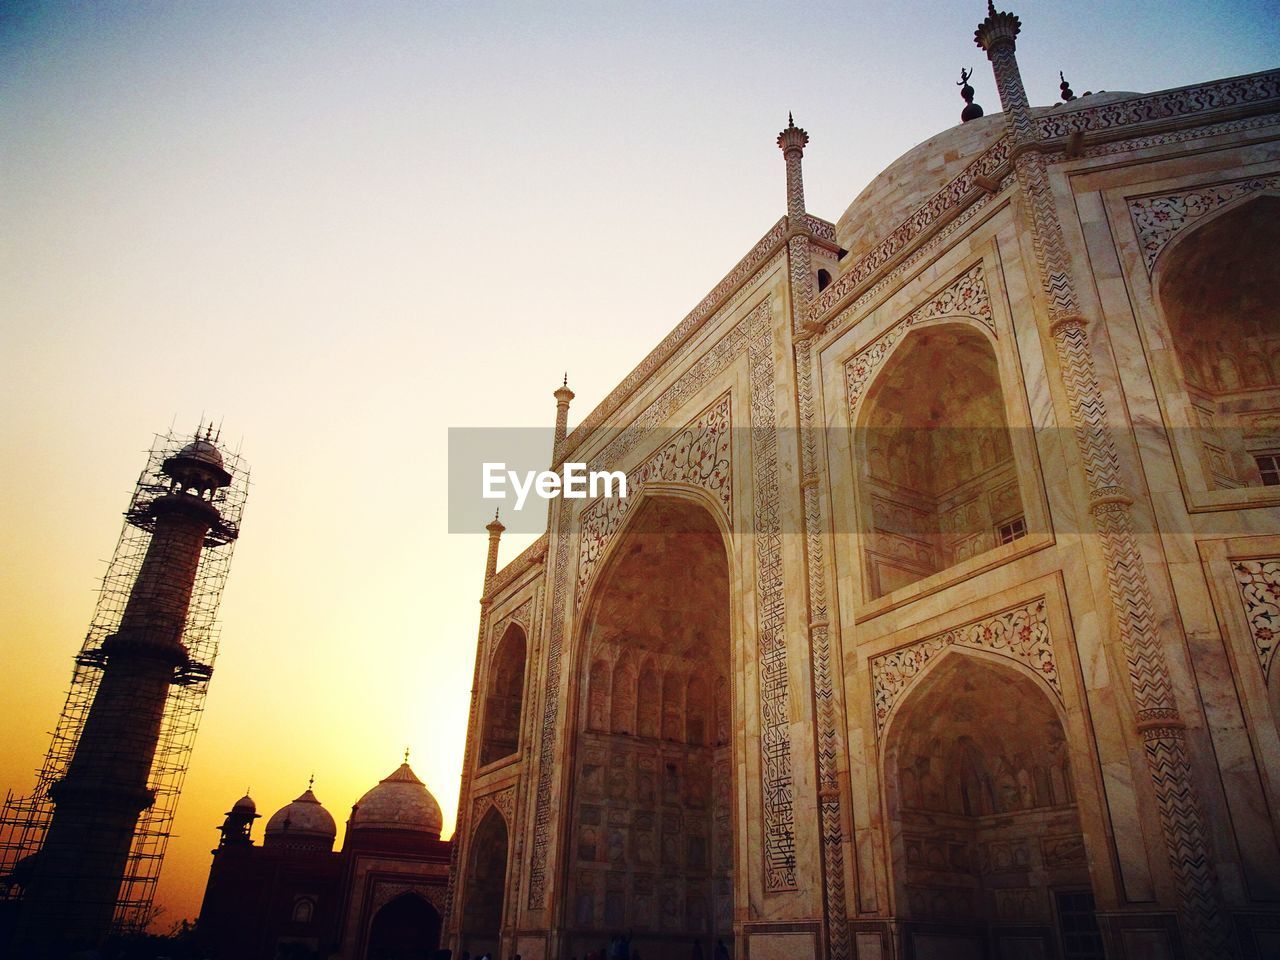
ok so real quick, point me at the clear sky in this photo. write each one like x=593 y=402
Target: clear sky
x=341 y=229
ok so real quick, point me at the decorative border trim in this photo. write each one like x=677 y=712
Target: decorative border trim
x=504 y=800
x=700 y=454
x=1159 y=218
x=966 y=296
x=1021 y=634
x=1258 y=581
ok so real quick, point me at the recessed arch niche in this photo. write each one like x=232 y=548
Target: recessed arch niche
x=1216 y=288
x=986 y=839
x=650 y=843
x=406 y=928
x=504 y=697
x=482 y=908
x=936 y=466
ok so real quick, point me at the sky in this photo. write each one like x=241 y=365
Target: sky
x=340 y=230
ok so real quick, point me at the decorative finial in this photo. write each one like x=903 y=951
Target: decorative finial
x=495 y=515
x=971 y=111
x=790 y=120
x=793 y=137
x=1067 y=94
x=406 y=754
x=998 y=30
x=312 y=782
x=565 y=383
x=991 y=8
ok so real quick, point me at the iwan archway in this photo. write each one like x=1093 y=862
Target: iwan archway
x=650 y=847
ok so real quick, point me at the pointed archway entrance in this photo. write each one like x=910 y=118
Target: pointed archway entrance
x=650 y=846
x=988 y=849
x=407 y=928
x=482 y=910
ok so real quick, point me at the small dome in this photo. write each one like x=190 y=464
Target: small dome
x=400 y=802
x=244 y=805
x=202 y=450
x=304 y=822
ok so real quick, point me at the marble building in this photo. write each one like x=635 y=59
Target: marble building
x=959 y=646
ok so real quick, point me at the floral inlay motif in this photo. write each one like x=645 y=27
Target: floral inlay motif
x=1259 y=583
x=1021 y=634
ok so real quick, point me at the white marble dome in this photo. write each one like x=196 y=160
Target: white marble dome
x=302 y=820
x=400 y=802
x=202 y=450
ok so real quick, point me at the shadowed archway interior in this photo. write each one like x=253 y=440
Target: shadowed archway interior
x=939 y=483
x=407 y=928
x=986 y=837
x=1218 y=293
x=651 y=845
x=482 y=909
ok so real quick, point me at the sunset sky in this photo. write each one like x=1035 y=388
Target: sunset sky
x=340 y=230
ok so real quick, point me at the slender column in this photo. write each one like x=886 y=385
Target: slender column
x=563 y=395
x=462 y=825
x=827 y=712
x=1161 y=728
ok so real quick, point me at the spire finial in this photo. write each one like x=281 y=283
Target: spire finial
x=971 y=111
x=312 y=782
x=991 y=8
x=791 y=122
x=406 y=749
x=1067 y=93
x=565 y=382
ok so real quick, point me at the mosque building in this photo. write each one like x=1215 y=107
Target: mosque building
x=939 y=618
x=293 y=896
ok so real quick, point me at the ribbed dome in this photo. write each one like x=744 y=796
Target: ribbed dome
x=304 y=822
x=400 y=802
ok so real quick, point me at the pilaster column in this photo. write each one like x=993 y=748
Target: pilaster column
x=828 y=715
x=1162 y=730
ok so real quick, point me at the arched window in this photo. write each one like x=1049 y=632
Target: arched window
x=1217 y=289
x=937 y=474
x=505 y=697
x=304 y=909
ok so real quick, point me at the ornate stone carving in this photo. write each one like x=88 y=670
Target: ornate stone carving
x=530 y=555
x=775 y=739
x=520 y=615
x=504 y=800
x=1022 y=634
x=1157 y=219
x=384 y=893
x=966 y=296
x=1162 y=730
x=699 y=454
x=1160 y=107
x=1259 y=584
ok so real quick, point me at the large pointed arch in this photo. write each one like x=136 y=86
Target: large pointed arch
x=986 y=842
x=649 y=848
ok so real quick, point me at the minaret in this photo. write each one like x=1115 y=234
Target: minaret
x=793 y=140
x=1159 y=723
x=495 y=529
x=563 y=395
x=72 y=893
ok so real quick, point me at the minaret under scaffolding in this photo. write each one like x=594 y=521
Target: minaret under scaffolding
x=81 y=855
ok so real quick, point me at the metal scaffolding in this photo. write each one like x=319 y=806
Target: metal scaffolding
x=24 y=820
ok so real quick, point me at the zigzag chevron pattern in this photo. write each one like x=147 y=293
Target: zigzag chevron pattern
x=1200 y=908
